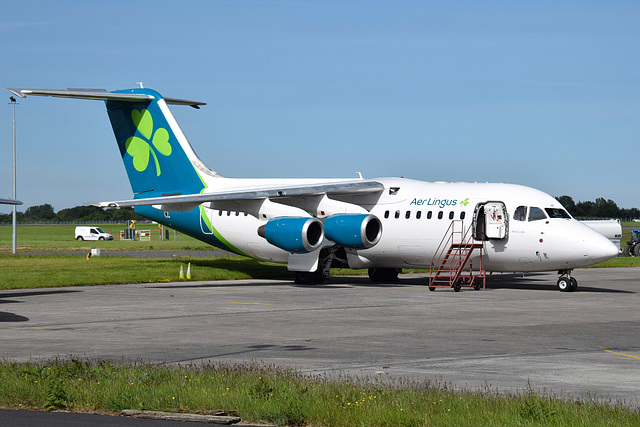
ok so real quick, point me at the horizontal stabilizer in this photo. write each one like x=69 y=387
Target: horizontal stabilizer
x=100 y=95
x=334 y=188
x=10 y=202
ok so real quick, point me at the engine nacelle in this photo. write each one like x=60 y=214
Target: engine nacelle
x=358 y=231
x=293 y=234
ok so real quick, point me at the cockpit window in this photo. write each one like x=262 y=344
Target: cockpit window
x=536 y=214
x=520 y=214
x=557 y=213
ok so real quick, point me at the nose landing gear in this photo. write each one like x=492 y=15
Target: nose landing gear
x=566 y=283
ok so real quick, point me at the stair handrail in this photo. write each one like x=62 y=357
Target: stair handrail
x=445 y=243
x=467 y=237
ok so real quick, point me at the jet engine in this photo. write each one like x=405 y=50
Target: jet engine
x=293 y=234
x=358 y=231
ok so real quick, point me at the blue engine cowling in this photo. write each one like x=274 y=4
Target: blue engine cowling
x=293 y=234
x=358 y=231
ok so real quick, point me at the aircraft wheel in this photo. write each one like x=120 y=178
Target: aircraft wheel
x=564 y=284
x=304 y=278
x=319 y=277
x=457 y=286
x=79 y=238
x=574 y=284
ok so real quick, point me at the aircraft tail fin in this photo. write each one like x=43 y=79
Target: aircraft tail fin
x=157 y=156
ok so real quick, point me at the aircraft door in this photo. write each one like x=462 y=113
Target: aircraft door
x=491 y=221
x=206 y=220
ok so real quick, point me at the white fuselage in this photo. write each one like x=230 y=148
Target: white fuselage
x=415 y=216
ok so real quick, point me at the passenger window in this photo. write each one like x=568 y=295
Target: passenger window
x=429 y=215
x=407 y=215
x=397 y=214
x=462 y=215
x=440 y=214
x=386 y=214
x=520 y=214
x=219 y=213
x=418 y=214
x=536 y=214
x=557 y=213
x=451 y=215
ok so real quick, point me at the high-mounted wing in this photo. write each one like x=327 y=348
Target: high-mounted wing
x=340 y=188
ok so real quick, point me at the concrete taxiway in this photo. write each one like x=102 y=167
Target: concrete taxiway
x=519 y=331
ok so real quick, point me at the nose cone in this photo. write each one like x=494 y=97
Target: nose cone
x=601 y=248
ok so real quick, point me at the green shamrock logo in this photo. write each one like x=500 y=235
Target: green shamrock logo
x=465 y=202
x=140 y=149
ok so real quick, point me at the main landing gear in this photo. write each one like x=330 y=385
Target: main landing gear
x=566 y=283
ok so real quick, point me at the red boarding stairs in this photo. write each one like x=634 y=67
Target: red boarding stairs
x=453 y=256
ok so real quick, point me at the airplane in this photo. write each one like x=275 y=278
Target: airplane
x=311 y=225
x=10 y=202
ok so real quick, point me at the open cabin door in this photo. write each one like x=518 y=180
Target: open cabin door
x=491 y=221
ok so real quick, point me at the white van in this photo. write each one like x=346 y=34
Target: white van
x=92 y=233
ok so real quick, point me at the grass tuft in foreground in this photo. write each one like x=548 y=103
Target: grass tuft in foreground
x=281 y=396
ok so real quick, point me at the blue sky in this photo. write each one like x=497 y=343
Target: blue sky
x=544 y=93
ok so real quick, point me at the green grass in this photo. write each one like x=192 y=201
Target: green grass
x=43 y=271
x=619 y=262
x=56 y=238
x=286 y=397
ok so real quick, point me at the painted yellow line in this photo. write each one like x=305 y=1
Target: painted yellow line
x=251 y=303
x=622 y=354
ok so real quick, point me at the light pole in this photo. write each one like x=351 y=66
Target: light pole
x=14 y=238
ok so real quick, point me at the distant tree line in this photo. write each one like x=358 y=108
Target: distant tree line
x=46 y=213
x=601 y=208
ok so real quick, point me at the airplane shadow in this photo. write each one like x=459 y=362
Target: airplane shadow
x=12 y=317
x=30 y=293
x=532 y=281
x=335 y=282
x=539 y=282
